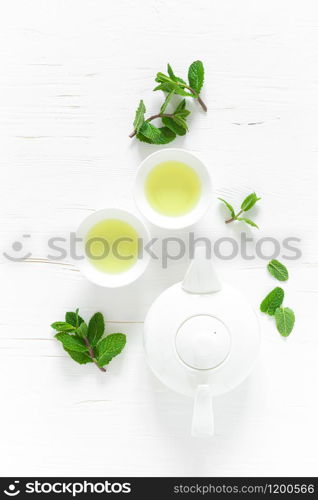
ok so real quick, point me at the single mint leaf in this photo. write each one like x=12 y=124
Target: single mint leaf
x=62 y=326
x=248 y=221
x=272 y=301
x=174 y=77
x=73 y=319
x=81 y=331
x=172 y=125
x=278 y=270
x=170 y=72
x=96 y=328
x=231 y=209
x=156 y=135
x=139 y=116
x=196 y=76
x=71 y=342
x=249 y=202
x=80 y=357
x=166 y=102
x=180 y=121
x=109 y=347
x=181 y=107
x=285 y=320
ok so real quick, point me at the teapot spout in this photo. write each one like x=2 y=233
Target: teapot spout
x=201 y=276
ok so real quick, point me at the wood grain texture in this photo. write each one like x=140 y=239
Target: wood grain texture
x=71 y=75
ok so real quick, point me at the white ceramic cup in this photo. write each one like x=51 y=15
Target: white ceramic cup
x=112 y=280
x=172 y=222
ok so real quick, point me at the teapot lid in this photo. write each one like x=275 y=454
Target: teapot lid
x=203 y=342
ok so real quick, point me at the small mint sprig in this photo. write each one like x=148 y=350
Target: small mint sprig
x=246 y=205
x=174 y=123
x=171 y=82
x=84 y=343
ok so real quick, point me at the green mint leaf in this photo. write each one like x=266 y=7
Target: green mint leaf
x=166 y=102
x=285 y=320
x=173 y=86
x=109 y=347
x=196 y=76
x=170 y=72
x=79 y=357
x=156 y=135
x=173 y=126
x=278 y=270
x=229 y=206
x=81 y=331
x=272 y=301
x=248 y=221
x=139 y=116
x=62 y=326
x=181 y=107
x=174 y=77
x=180 y=121
x=249 y=202
x=73 y=318
x=96 y=328
x=71 y=342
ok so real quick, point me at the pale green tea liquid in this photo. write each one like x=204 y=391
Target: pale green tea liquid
x=105 y=249
x=173 y=188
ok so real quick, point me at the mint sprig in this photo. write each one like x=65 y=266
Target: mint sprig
x=246 y=205
x=175 y=122
x=84 y=343
x=171 y=82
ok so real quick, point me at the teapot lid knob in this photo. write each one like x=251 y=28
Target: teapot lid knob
x=201 y=276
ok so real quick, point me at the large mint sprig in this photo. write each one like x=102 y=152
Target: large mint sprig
x=84 y=343
x=173 y=123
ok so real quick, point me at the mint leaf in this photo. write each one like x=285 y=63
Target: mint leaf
x=81 y=331
x=73 y=319
x=71 y=342
x=248 y=221
x=96 y=328
x=196 y=76
x=62 y=326
x=166 y=102
x=109 y=347
x=249 y=202
x=272 y=301
x=174 y=77
x=179 y=120
x=139 y=116
x=173 y=126
x=79 y=357
x=278 y=270
x=285 y=320
x=231 y=209
x=154 y=135
x=170 y=72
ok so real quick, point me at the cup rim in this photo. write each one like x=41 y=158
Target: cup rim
x=115 y=280
x=172 y=222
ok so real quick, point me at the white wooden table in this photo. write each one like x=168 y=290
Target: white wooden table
x=71 y=75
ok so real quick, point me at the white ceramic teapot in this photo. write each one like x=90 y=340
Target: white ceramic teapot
x=201 y=339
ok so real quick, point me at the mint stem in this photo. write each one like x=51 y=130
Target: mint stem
x=202 y=104
x=234 y=218
x=153 y=117
x=92 y=354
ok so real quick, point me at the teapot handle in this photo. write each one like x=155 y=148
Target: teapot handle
x=202 y=420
